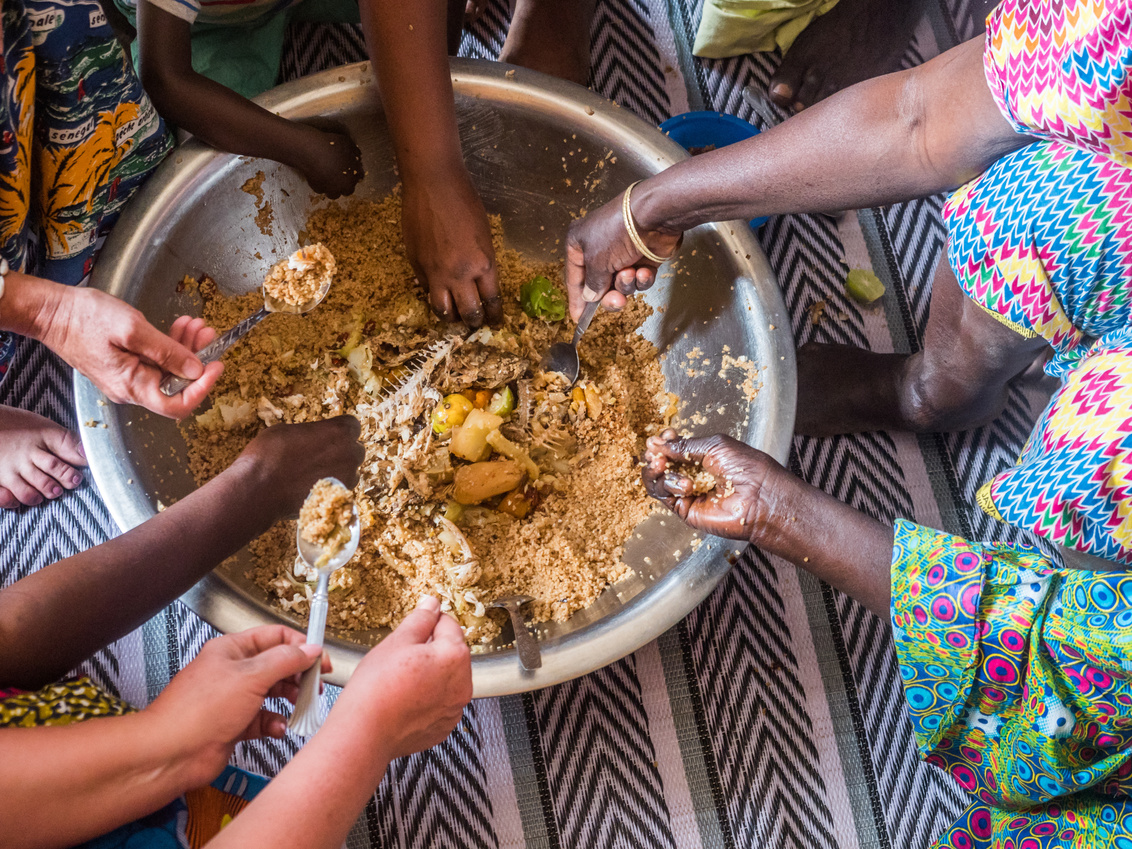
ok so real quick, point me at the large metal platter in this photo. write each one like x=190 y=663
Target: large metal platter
x=528 y=140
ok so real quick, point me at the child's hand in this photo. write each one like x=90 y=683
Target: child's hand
x=411 y=688
x=742 y=473
x=448 y=240
x=217 y=700
x=292 y=457
x=334 y=165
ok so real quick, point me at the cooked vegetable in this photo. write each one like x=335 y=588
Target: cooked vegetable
x=450 y=413
x=863 y=286
x=540 y=298
x=454 y=511
x=593 y=401
x=502 y=403
x=469 y=440
x=513 y=452
x=515 y=503
x=480 y=481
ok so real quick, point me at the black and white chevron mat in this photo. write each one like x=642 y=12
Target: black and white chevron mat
x=773 y=715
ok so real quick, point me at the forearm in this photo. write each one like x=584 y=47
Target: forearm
x=407 y=43
x=210 y=111
x=828 y=538
x=63 y=785
x=317 y=797
x=29 y=304
x=55 y=618
x=888 y=139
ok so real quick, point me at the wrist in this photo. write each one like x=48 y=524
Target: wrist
x=172 y=765
x=32 y=306
x=650 y=212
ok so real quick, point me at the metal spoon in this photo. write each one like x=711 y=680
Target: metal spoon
x=172 y=384
x=563 y=356
x=305 y=719
x=525 y=644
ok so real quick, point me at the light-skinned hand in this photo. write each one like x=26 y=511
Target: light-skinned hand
x=124 y=355
x=217 y=699
x=448 y=241
x=413 y=685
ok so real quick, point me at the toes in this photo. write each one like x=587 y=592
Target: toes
x=66 y=445
x=43 y=483
x=64 y=474
x=808 y=93
x=25 y=493
x=7 y=500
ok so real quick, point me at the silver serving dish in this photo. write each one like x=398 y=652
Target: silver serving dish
x=524 y=136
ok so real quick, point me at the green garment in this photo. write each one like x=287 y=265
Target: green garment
x=246 y=57
x=736 y=27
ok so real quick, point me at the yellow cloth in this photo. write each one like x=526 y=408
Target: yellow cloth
x=735 y=27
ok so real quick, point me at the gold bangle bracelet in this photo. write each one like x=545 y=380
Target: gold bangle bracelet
x=631 y=229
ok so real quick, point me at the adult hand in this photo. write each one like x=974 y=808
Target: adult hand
x=448 y=240
x=414 y=684
x=294 y=456
x=734 y=508
x=602 y=261
x=124 y=355
x=334 y=164
x=217 y=700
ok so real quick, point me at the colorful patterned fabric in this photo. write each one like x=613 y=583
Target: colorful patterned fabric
x=1072 y=481
x=58 y=704
x=185 y=823
x=78 y=136
x=1059 y=69
x=1016 y=676
x=1043 y=241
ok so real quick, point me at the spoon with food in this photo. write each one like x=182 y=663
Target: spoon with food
x=327 y=537
x=296 y=285
x=563 y=356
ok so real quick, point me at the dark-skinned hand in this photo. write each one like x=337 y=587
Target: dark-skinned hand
x=334 y=164
x=448 y=241
x=602 y=262
x=739 y=470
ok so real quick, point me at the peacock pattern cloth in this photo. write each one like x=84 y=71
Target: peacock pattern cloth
x=1017 y=679
x=1042 y=240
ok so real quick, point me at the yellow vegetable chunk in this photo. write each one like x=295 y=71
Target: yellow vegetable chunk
x=480 y=481
x=513 y=452
x=450 y=413
x=469 y=440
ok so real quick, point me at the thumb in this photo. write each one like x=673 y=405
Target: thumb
x=151 y=344
x=270 y=667
x=417 y=627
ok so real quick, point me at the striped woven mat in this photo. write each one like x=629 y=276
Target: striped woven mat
x=773 y=715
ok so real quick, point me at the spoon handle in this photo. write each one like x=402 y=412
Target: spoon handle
x=525 y=645
x=306 y=718
x=172 y=384
x=584 y=321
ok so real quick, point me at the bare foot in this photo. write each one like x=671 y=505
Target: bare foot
x=552 y=36
x=853 y=41
x=37 y=458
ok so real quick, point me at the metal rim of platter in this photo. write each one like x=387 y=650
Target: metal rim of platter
x=522 y=133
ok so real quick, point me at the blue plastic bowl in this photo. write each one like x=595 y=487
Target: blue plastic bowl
x=702 y=129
